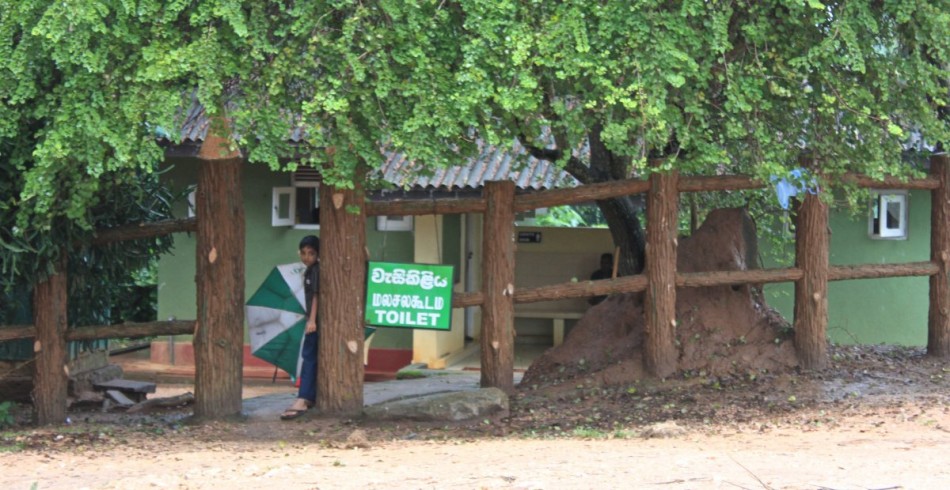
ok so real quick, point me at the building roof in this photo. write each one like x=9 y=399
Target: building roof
x=492 y=163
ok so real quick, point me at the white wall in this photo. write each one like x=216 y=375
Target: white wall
x=563 y=254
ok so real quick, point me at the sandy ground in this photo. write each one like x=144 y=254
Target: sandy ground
x=878 y=418
x=905 y=454
x=896 y=444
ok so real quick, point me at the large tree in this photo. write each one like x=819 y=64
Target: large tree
x=88 y=90
x=88 y=87
x=709 y=86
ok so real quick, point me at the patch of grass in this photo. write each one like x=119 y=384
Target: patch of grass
x=6 y=414
x=624 y=434
x=13 y=448
x=589 y=433
x=410 y=374
x=9 y=442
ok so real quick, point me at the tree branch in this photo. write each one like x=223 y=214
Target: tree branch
x=578 y=170
x=574 y=165
x=547 y=154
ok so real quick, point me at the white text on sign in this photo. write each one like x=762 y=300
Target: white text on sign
x=424 y=279
x=413 y=301
x=411 y=318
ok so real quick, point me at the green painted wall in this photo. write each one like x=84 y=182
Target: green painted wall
x=872 y=311
x=266 y=246
x=863 y=311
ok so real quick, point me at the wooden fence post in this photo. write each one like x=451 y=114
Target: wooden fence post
x=938 y=321
x=219 y=331
x=811 y=291
x=498 y=279
x=342 y=299
x=660 y=353
x=50 y=372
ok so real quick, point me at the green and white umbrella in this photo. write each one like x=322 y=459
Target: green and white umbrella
x=276 y=318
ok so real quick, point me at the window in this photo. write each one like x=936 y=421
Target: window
x=394 y=223
x=299 y=204
x=888 y=219
x=530 y=217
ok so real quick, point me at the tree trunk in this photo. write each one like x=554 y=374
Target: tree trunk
x=498 y=279
x=50 y=373
x=620 y=212
x=627 y=232
x=342 y=293
x=660 y=353
x=219 y=333
x=938 y=336
x=811 y=291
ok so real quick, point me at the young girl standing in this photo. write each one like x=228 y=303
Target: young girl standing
x=307 y=395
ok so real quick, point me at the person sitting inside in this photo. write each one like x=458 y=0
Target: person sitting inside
x=605 y=272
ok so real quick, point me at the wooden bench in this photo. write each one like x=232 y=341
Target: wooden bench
x=557 y=320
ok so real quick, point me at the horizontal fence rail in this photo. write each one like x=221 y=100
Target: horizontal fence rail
x=607 y=190
x=581 y=289
x=925 y=183
x=149 y=229
x=462 y=300
x=102 y=332
x=638 y=283
x=875 y=271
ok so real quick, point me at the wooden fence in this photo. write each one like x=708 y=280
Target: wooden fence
x=660 y=280
x=810 y=274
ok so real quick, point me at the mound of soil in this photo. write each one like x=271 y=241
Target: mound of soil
x=720 y=330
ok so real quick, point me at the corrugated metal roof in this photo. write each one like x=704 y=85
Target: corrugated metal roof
x=493 y=163
x=195 y=126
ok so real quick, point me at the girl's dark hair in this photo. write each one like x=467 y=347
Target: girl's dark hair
x=310 y=241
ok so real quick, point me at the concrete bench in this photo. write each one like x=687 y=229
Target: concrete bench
x=135 y=390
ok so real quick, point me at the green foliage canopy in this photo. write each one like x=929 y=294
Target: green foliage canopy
x=88 y=87
x=748 y=86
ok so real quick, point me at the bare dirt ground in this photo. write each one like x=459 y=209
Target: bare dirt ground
x=878 y=418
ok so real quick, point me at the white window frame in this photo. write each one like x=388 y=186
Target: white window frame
x=298 y=184
x=880 y=201
x=191 y=203
x=394 y=223
x=302 y=178
x=277 y=194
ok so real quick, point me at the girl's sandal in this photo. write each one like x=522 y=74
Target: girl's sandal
x=291 y=413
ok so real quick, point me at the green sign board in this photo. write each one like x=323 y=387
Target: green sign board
x=409 y=295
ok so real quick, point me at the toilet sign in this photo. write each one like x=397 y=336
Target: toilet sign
x=409 y=295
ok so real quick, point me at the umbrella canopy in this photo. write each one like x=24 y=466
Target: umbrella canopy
x=276 y=318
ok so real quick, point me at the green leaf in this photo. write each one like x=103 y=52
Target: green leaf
x=676 y=80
